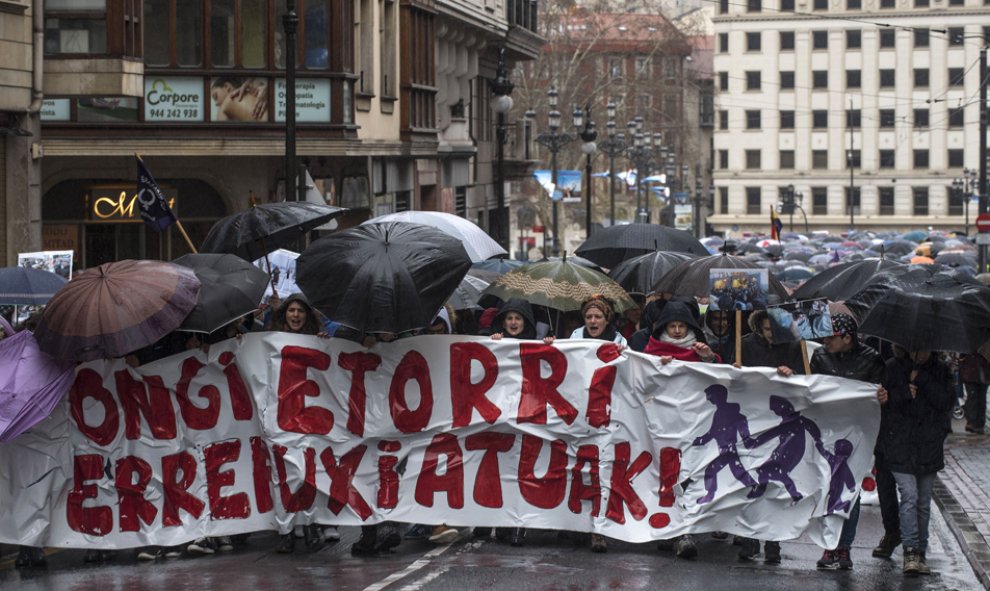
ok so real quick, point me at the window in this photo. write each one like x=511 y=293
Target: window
x=367 y=42
x=723 y=159
x=821 y=4
x=921 y=118
x=819 y=118
x=786 y=80
x=819 y=39
x=957 y=2
x=957 y=76
x=389 y=40
x=922 y=3
x=753 y=159
x=615 y=67
x=888 y=37
x=920 y=77
x=643 y=68
x=854 y=118
x=887 y=159
x=887 y=118
x=819 y=201
x=723 y=6
x=956 y=202
x=723 y=199
x=181 y=46
x=887 y=78
x=787 y=159
x=754 y=204
x=819 y=79
x=753 y=80
x=754 y=5
x=854 y=78
x=753 y=41
x=723 y=42
x=787 y=119
x=886 y=197
x=956 y=117
x=920 y=37
x=853 y=159
x=920 y=200
x=819 y=159
x=787 y=40
x=854 y=38
x=753 y=119
x=888 y=3
x=81 y=28
x=956 y=35
x=854 y=4
x=787 y=5
x=852 y=200
x=723 y=119
x=955 y=158
x=723 y=81
x=921 y=158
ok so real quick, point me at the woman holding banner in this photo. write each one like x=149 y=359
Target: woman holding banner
x=677 y=335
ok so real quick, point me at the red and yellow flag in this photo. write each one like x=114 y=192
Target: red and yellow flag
x=775 y=224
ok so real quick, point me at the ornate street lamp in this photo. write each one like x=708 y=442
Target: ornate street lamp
x=498 y=224
x=290 y=23
x=614 y=145
x=553 y=140
x=642 y=156
x=588 y=148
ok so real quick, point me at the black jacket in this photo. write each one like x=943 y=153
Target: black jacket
x=859 y=363
x=757 y=352
x=913 y=430
x=524 y=309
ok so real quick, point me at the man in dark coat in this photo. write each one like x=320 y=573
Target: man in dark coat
x=843 y=355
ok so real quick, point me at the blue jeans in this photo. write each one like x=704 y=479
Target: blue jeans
x=916 y=503
x=849 y=527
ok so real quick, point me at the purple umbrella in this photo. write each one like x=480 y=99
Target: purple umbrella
x=31 y=384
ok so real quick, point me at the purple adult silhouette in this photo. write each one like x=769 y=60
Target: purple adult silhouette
x=842 y=476
x=789 y=452
x=728 y=424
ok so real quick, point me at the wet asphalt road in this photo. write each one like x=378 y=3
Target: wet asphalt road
x=545 y=563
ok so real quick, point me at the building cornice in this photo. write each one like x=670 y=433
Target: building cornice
x=852 y=18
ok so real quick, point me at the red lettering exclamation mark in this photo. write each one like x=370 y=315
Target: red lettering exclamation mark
x=670 y=467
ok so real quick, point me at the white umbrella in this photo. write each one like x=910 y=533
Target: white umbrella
x=477 y=243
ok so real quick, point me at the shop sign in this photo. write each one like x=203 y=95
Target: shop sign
x=119 y=203
x=60 y=237
x=55 y=110
x=312 y=100
x=173 y=98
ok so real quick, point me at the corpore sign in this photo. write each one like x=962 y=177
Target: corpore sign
x=272 y=430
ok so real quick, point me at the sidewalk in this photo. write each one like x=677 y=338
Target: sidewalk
x=962 y=491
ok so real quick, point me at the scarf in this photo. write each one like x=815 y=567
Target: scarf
x=607 y=335
x=684 y=343
x=662 y=349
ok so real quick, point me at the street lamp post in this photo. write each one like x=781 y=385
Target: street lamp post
x=641 y=155
x=588 y=147
x=498 y=224
x=290 y=23
x=553 y=140
x=613 y=145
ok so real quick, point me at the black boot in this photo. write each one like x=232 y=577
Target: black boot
x=517 y=536
x=287 y=545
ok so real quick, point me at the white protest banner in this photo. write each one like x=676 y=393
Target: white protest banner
x=274 y=429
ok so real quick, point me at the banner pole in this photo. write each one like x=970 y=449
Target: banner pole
x=738 y=362
x=186 y=236
x=804 y=357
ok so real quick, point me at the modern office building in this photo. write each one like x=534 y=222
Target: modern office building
x=866 y=109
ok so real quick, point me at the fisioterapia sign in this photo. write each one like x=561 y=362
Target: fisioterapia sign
x=274 y=429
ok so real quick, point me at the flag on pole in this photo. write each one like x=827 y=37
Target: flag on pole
x=775 y=224
x=151 y=200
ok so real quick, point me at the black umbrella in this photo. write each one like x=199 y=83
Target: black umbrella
x=265 y=228
x=230 y=287
x=640 y=274
x=610 y=246
x=21 y=286
x=924 y=311
x=693 y=276
x=841 y=282
x=387 y=277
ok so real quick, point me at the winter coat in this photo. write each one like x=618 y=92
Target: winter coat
x=524 y=309
x=757 y=352
x=974 y=368
x=859 y=363
x=679 y=312
x=913 y=430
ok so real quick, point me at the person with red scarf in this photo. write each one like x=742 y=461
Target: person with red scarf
x=677 y=335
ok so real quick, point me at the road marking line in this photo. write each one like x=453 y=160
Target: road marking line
x=415 y=566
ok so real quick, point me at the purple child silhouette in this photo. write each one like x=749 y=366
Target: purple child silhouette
x=727 y=425
x=790 y=450
x=842 y=476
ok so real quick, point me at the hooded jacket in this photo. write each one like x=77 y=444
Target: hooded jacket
x=675 y=311
x=758 y=352
x=524 y=309
x=312 y=325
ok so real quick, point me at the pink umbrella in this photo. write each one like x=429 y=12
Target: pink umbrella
x=31 y=384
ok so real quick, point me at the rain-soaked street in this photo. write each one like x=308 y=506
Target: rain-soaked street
x=545 y=563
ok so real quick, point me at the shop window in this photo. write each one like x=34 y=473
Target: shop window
x=87 y=28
